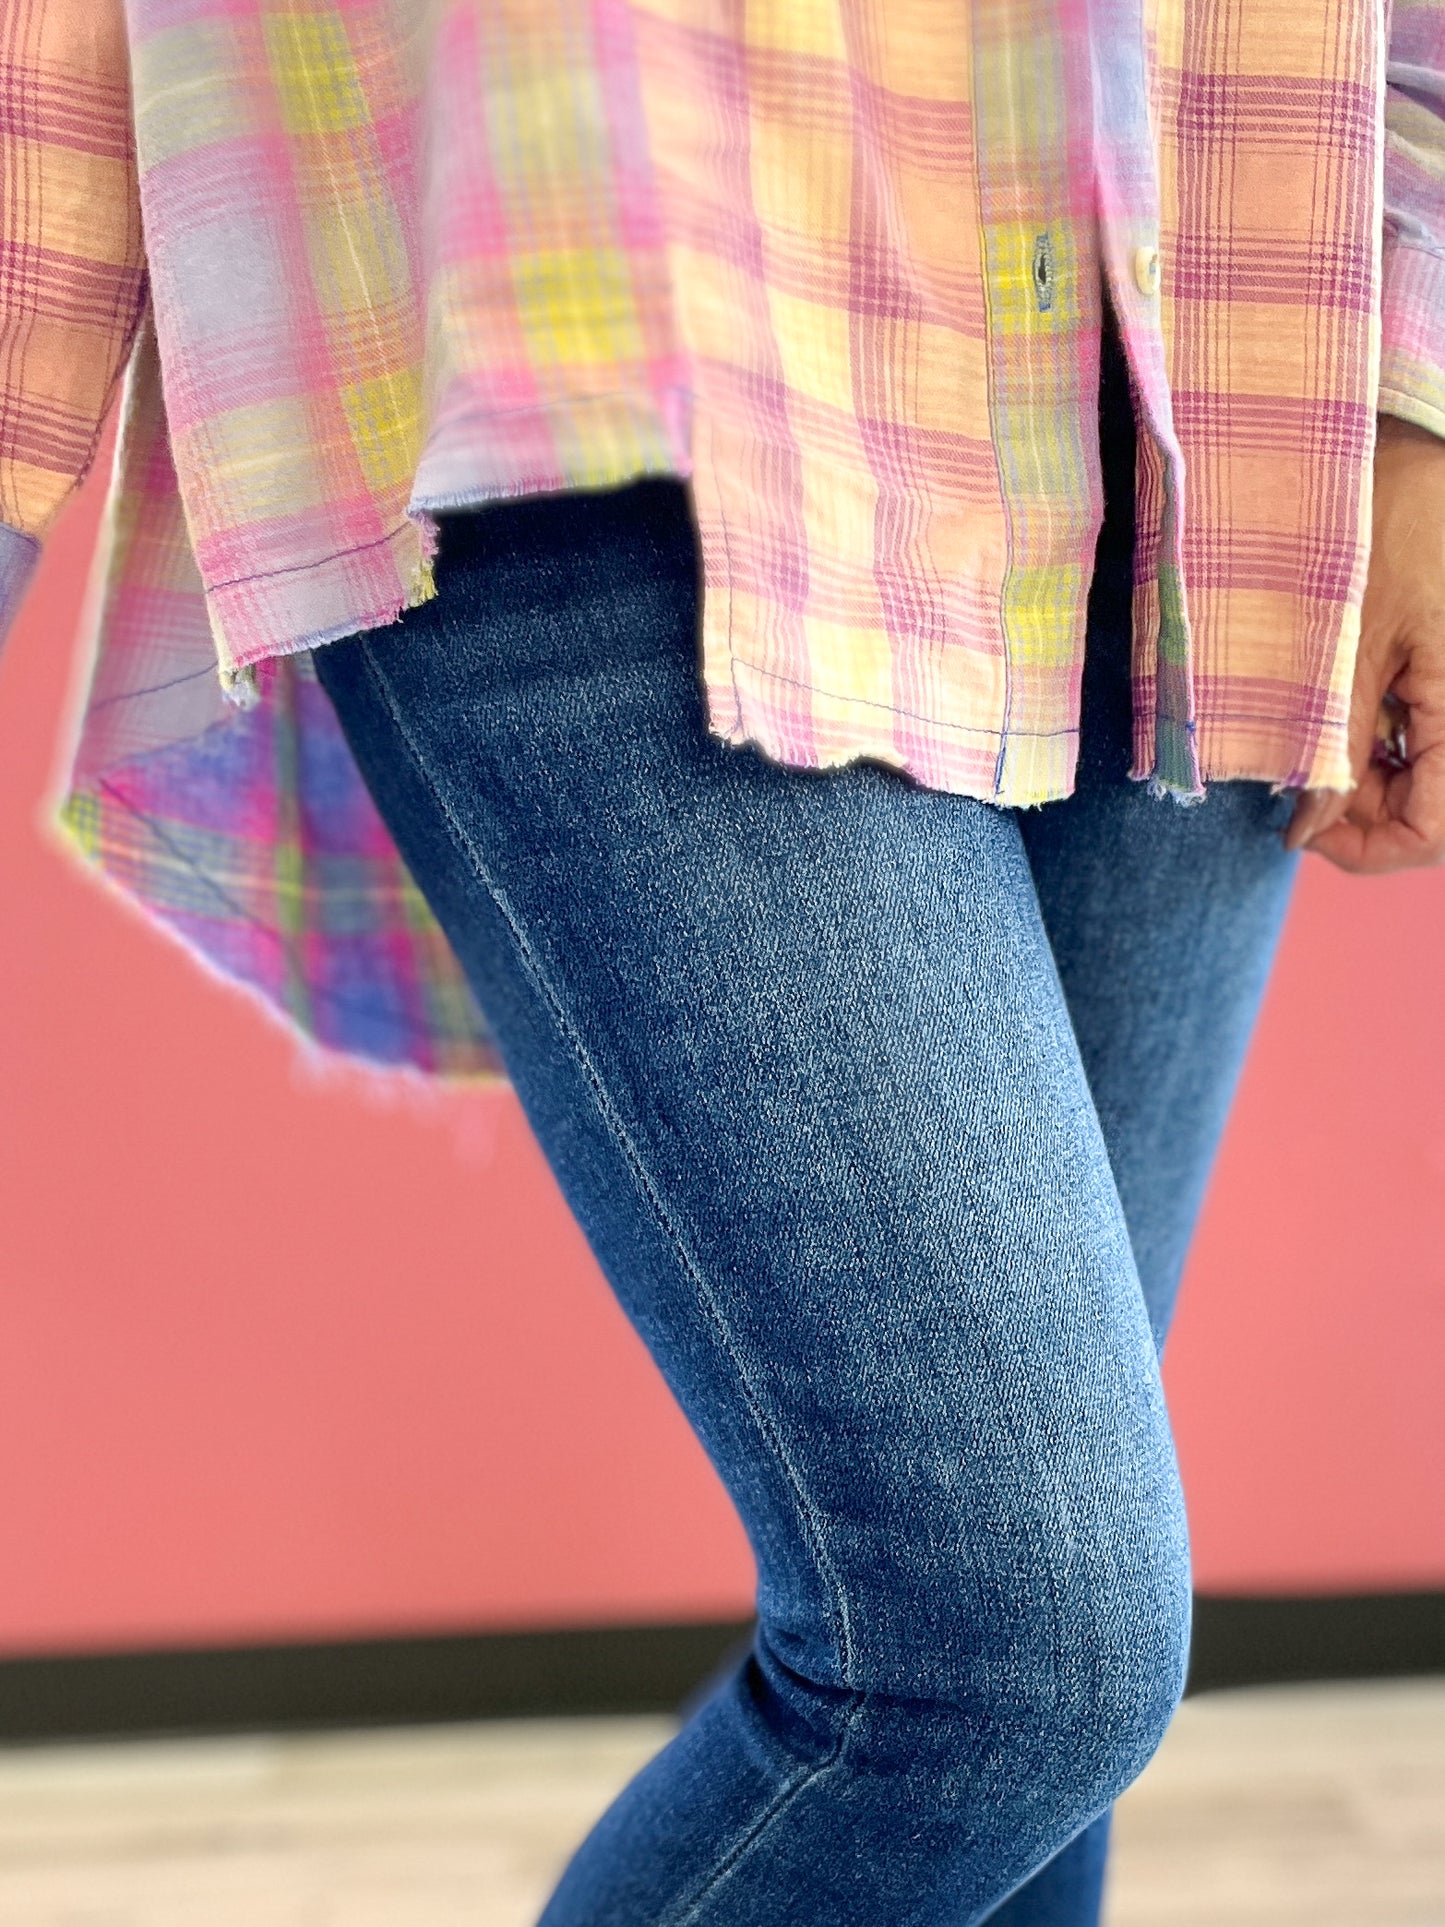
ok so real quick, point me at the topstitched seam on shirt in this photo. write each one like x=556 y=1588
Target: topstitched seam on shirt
x=154 y=689
x=910 y=715
x=316 y=562
x=808 y=1512
x=408 y=522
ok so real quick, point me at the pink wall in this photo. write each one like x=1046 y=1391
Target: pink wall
x=285 y=1360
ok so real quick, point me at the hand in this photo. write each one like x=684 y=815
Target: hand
x=1395 y=817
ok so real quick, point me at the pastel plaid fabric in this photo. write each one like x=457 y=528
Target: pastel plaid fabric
x=70 y=291
x=843 y=261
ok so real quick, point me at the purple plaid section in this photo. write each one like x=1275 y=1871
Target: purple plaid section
x=18 y=557
x=312 y=912
x=1412 y=371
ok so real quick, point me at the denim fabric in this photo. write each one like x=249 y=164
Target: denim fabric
x=886 y=1113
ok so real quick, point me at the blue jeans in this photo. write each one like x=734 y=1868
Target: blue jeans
x=886 y=1113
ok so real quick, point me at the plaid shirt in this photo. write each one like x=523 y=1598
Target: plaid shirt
x=843 y=263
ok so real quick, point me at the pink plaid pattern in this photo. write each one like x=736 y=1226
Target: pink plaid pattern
x=844 y=264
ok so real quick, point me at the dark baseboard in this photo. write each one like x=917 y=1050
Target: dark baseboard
x=1271 y=1642
x=614 y=1669
x=363 y=1682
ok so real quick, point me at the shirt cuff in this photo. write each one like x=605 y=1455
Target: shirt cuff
x=1412 y=335
x=18 y=557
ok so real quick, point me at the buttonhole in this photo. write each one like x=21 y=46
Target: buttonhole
x=1044 y=271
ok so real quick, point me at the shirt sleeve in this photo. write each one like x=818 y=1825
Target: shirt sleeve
x=1412 y=368
x=72 y=265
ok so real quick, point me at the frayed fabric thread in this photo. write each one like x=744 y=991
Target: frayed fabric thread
x=241 y=686
x=1186 y=799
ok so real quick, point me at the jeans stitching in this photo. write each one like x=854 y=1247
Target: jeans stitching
x=838 y=1609
x=781 y=1801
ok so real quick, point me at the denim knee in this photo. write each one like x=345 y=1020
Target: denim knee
x=1069 y=1685
x=1107 y=1680
x=1060 y=1717
x=1051 y=1668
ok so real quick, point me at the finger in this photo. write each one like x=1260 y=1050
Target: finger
x=1406 y=830
x=1320 y=812
x=1360 y=809
x=1369 y=801
x=1375 y=668
x=1315 y=810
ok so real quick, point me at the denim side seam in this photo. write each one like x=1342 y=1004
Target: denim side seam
x=608 y=1110
x=809 y=1776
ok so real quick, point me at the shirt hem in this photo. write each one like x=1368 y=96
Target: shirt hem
x=293 y=610
x=929 y=750
x=840 y=730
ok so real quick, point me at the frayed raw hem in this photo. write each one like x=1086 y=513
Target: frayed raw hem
x=240 y=687
x=965 y=764
x=1160 y=786
x=1278 y=786
x=239 y=684
x=1176 y=792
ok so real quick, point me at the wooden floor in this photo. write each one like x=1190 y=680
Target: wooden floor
x=1320 y=1807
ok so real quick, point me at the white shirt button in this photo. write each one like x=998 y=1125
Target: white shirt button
x=1146 y=270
